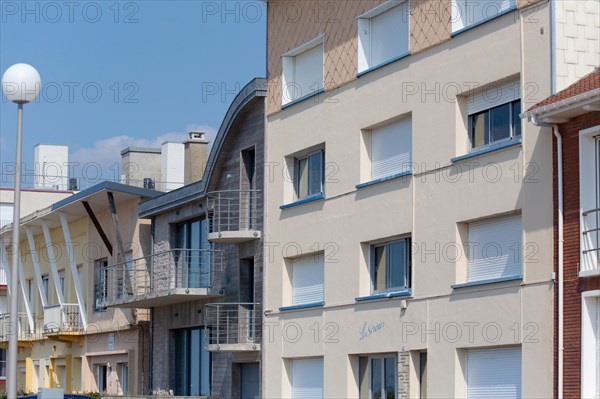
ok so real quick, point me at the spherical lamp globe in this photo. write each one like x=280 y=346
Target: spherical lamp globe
x=21 y=83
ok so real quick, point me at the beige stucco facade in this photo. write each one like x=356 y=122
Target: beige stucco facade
x=433 y=205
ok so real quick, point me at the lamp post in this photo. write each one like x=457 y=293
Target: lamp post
x=20 y=84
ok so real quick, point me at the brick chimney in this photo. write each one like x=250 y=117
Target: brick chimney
x=195 y=157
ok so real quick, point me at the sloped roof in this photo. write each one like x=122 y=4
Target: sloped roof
x=588 y=83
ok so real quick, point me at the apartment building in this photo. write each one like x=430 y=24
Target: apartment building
x=67 y=337
x=574 y=117
x=409 y=233
x=202 y=282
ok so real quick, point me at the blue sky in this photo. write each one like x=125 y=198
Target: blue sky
x=130 y=73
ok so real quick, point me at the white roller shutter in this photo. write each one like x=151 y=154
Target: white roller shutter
x=494 y=373
x=307 y=280
x=470 y=12
x=493 y=95
x=389 y=34
x=391 y=149
x=6 y=214
x=495 y=248
x=307 y=378
x=308 y=76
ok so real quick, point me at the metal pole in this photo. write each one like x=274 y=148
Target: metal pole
x=11 y=369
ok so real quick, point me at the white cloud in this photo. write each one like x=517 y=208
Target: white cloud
x=107 y=152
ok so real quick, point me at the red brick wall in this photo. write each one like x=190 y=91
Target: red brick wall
x=572 y=295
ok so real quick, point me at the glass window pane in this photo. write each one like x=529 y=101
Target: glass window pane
x=195 y=348
x=379 y=271
x=376 y=379
x=363 y=375
x=397 y=268
x=302 y=178
x=390 y=378
x=315 y=178
x=516 y=118
x=479 y=129
x=500 y=122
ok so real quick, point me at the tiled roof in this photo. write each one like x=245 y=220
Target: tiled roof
x=588 y=83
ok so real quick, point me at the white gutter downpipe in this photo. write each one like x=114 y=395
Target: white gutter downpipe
x=559 y=161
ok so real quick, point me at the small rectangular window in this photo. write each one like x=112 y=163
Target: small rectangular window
x=310 y=173
x=100 y=285
x=308 y=280
x=45 y=286
x=495 y=124
x=466 y=13
x=391 y=149
x=494 y=373
x=303 y=71
x=494 y=248
x=307 y=378
x=383 y=34
x=390 y=266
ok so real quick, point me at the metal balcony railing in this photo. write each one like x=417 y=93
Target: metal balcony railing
x=62 y=319
x=23 y=329
x=590 y=240
x=233 y=326
x=162 y=273
x=234 y=211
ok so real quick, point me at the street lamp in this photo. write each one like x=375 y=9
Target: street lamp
x=21 y=84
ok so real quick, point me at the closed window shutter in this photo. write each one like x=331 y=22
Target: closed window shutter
x=308 y=76
x=493 y=95
x=6 y=213
x=470 y=12
x=391 y=148
x=307 y=280
x=494 y=373
x=389 y=34
x=307 y=378
x=495 y=248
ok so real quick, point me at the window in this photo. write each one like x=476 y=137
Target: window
x=391 y=149
x=124 y=377
x=423 y=375
x=494 y=248
x=307 y=280
x=192 y=363
x=378 y=377
x=2 y=363
x=309 y=175
x=390 y=266
x=307 y=378
x=193 y=258
x=494 y=373
x=494 y=114
x=61 y=279
x=101 y=377
x=100 y=285
x=6 y=213
x=589 y=200
x=383 y=34
x=590 y=344
x=303 y=71
x=45 y=286
x=466 y=13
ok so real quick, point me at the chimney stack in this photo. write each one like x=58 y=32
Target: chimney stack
x=196 y=157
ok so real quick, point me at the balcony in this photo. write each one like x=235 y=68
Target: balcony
x=590 y=243
x=26 y=335
x=233 y=327
x=179 y=275
x=63 y=323
x=235 y=216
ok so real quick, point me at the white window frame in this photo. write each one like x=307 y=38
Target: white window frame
x=590 y=348
x=297 y=160
x=288 y=74
x=589 y=199
x=380 y=357
x=365 y=45
x=463 y=16
x=491 y=248
x=407 y=240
